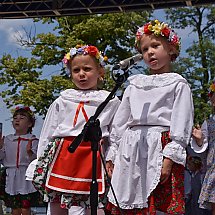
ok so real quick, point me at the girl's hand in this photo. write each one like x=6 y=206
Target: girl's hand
x=198 y=135
x=1 y=142
x=109 y=168
x=28 y=148
x=166 y=170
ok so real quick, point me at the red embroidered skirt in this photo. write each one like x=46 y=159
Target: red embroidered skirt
x=72 y=172
x=167 y=197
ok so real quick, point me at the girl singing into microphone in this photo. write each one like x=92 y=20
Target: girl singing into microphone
x=151 y=130
x=63 y=177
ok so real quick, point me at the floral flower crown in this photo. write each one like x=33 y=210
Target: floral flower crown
x=26 y=108
x=85 y=50
x=158 y=29
x=211 y=89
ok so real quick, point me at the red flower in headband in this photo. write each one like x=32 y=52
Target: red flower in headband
x=165 y=32
x=23 y=107
x=146 y=29
x=92 y=50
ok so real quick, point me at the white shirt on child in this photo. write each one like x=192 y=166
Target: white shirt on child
x=59 y=121
x=16 y=160
x=150 y=105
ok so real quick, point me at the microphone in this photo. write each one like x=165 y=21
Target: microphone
x=124 y=64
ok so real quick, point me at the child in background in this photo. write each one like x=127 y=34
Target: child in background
x=205 y=138
x=193 y=184
x=67 y=183
x=16 y=152
x=151 y=130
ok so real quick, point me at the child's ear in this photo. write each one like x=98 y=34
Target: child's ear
x=171 y=50
x=102 y=72
x=30 y=125
x=172 y=53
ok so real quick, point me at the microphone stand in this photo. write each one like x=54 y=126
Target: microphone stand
x=92 y=132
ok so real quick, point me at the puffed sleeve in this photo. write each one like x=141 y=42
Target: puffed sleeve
x=119 y=126
x=181 y=124
x=49 y=126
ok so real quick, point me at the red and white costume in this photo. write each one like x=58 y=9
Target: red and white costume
x=71 y=172
x=16 y=160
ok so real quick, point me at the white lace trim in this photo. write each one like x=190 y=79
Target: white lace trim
x=85 y=95
x=175 y=152
x=148 y=82
x=141 y=205
x=156 y=180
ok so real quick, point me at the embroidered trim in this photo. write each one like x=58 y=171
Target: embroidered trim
x=97 y=96
x=73 y=179
x=148 y=82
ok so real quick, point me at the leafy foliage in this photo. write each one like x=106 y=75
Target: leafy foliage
x=24 y=77
x=198 y=68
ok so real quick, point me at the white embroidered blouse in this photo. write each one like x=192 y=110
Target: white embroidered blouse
x=69 y=112
x=156 y=100
x=14 y=153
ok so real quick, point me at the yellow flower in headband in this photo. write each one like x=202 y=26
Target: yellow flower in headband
x=156 y=28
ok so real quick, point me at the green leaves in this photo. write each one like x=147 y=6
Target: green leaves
x=198 y=68
x=27 y=80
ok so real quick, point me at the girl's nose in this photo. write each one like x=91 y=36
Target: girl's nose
x=151 y=51
x=82 y=73
x=17 y=119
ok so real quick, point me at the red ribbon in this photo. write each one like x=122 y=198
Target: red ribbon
x=80 y=107
x=18 y=148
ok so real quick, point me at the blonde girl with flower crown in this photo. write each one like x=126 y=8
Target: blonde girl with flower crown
x=205 y=141
x=16 y=152
x=63 y=177
x=151 y=130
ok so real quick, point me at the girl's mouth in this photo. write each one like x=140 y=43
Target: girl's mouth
x=153 y=61
x=82 y=81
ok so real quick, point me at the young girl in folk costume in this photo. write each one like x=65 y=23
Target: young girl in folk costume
x=205 y=139
x=17 y=151
x=151 y=130
x=69 y=174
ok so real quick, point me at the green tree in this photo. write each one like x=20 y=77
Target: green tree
x=24 y=77
x=198 y=67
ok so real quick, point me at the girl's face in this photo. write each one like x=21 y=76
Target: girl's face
x=85 y=72
x=156 y=53
x=21 y=124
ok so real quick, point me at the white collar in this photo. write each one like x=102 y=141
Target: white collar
x=13 y=137
x=84 y=95
x=148 y=82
